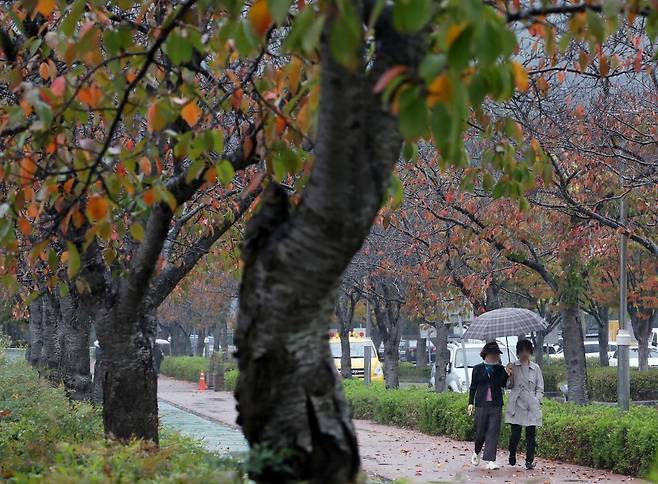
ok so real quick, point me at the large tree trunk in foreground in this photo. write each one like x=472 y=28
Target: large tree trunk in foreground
x=290 y=399
x=75 y=325
x=574 y=353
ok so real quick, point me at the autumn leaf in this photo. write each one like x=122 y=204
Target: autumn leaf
x=97 y=207
x=149 y=197
x=191 y=113
x=454 y=31
x=25 y=226
x=90 y=95
x=58 y=86
x=520 y=76
x=44 y=71
x=45 y=7
x=155 y=121
x=439 y=89
x=387 y=77
x=27 y=170
x=145 y=165
x=260 y=17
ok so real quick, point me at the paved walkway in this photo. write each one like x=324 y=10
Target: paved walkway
x=395 y=453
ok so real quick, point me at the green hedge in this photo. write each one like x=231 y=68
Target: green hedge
x=45 y=438
x=409 y=372
x=602 y=382
x=594 y=435
x=184 y=367
x=188 y=367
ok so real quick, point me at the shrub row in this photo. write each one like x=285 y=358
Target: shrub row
x=45 y=438
x=188 y=367
x=595 y=435
x=602 y=381
x=409 y=372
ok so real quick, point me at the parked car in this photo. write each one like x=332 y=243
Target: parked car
x=456 y=378
x=633 y=357
x=591 y=350
x=357 y=345
x=411 y=349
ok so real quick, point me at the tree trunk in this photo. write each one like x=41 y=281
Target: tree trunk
x=641 y=320
x=75 y=326
x=574 y=352
x=50 y=353
x=421 y=353
x=539 y=348
x=604 y=324
x=130 y=403
x=290 y=399
x=392 y=362
x=345 y=354
x=442 y=357
x=35 y=347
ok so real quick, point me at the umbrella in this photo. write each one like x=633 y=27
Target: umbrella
x=504 y=322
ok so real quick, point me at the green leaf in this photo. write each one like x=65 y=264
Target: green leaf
x=596 y=25
x=225 y=172
x=489 y=45
x=284 y=160
x=411 y=15
x=345 y=38
x=460 y=50
x=72 y=17
x=431 y=66
x=179 y=48
x=194 y=171
x=409 y=151
x=137 y=232
x=413 y=115
x=278 y=9
x=73 y=261
x=395 y=192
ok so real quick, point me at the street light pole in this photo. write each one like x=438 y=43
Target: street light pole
x=623 y=336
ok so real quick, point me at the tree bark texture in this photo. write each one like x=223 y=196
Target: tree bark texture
x=51 y=349
x=574 y=352
x=642 y=320
x=345 y=305
x=442 y=357
x=387 y=303
x=290 y=398
x=603 y=320
x=36 y=332
x=74 y=327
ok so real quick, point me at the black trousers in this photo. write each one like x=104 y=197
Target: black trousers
x=487 y=429
x=530 y=442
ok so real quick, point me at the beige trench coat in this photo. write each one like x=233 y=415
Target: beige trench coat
x=527 y=392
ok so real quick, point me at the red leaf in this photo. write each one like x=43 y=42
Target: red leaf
x=387 y=77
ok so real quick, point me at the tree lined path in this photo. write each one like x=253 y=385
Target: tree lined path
x=395 y=453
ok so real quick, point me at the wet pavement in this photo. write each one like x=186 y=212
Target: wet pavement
x=395 y=453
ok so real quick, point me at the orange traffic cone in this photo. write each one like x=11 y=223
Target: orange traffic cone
x=202 y=382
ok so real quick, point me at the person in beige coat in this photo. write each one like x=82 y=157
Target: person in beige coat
x=526 y=383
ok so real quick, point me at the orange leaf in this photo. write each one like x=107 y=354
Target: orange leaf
x=191 y=113
x=440 y=89
x=260 y=17
x=149 y=197
x=520 y=76
x=68 y=185
x=44 y=71
x=27 y=170
x=90 y=95
x=25 y=226
x=387 y=77
x=154 y=119
x=97 y=207
x=454 y=31
x=145 y=165
x=45 y=7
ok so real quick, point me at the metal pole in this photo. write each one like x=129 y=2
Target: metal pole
x=366 y=364
x=623 y=336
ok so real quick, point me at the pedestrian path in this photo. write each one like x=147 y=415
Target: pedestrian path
x=395 y=453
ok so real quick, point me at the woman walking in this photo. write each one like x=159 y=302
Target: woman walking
x=524 y=406
x=486 y=393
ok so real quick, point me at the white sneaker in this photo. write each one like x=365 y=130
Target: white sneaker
x=475 y=459
x=492 y=466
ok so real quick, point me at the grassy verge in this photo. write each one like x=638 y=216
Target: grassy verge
x=45 y=438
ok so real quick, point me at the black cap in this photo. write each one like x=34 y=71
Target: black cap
x=489 y=348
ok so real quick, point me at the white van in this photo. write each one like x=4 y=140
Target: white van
x=456 y=378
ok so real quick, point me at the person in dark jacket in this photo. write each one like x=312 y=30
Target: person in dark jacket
x=486 y=394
